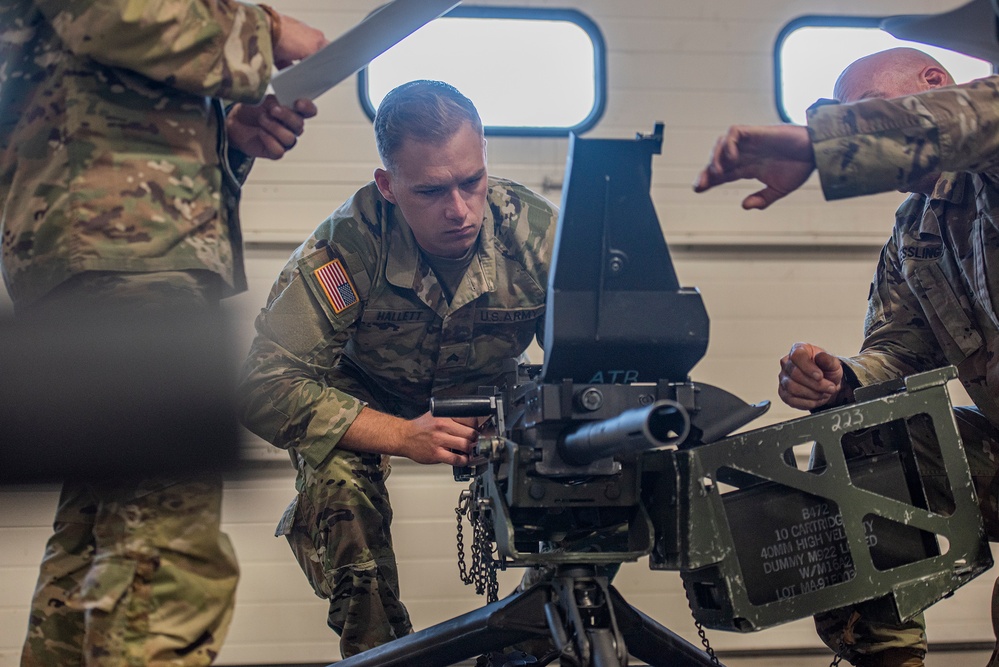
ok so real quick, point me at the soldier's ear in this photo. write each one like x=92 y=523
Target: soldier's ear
x=383 y=179
x=935 y=77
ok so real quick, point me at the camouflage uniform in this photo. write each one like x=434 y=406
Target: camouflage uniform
x=112 y=153
x=934 y=296
x=116 y=192
x=382 y=334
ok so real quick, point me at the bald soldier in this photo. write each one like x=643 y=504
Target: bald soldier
x=422 y=284
x=900 y=125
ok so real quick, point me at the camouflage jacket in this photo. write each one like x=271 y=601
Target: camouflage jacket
x=111 y=141
x=357 y=316
x=935 y=295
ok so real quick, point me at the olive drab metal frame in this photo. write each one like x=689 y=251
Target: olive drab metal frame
x=695 y=534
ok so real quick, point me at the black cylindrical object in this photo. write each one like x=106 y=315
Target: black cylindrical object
x=661 y=424
x=465 y=406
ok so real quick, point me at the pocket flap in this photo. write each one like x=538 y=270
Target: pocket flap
x=287 y=519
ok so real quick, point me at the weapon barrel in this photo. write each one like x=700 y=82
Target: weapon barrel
x=661 y=424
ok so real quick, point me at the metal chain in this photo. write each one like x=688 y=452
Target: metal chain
x=704 y=641
x=462 y=569
x=480 y=587
x=838 y=657
x=482 y=572
x=487 y=563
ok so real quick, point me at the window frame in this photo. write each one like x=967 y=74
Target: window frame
x=811 y=20
x=529 y=13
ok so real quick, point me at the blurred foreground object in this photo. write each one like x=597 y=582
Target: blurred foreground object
x=91 y=398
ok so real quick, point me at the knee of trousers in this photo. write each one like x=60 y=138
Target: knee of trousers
x=365 y=609
x=334 y=543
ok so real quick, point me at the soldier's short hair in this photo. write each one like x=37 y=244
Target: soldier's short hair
x=425 y=110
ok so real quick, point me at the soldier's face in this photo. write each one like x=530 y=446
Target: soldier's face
x=440 y=189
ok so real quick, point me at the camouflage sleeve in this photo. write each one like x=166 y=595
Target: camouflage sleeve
x=897 y=338
x=219 y=48
x=283 y=397
x=532 y=220
x=880 y=145
x=542 y=219
x=284 y=394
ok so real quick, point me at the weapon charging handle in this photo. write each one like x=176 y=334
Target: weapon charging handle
x=468 y=406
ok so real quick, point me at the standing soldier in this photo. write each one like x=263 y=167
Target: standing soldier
x=119 y=181
x=901 y=125
x=422 y=284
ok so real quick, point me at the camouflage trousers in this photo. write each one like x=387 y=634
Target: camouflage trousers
x=853 y=636
x=339 y=530
x=137 y=572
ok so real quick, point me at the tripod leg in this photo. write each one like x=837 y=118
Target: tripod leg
x=649 y=641
x=603 y=649
x=493 y=627
x=582 y=621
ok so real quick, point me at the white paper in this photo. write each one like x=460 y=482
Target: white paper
x=344 y=56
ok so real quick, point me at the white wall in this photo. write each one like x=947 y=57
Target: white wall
x=799 y=271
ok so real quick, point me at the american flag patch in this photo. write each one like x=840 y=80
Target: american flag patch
x=336 y=283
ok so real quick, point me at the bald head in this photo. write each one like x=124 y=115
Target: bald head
x=891 y=73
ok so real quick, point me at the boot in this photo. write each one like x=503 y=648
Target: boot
x=892 y=657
